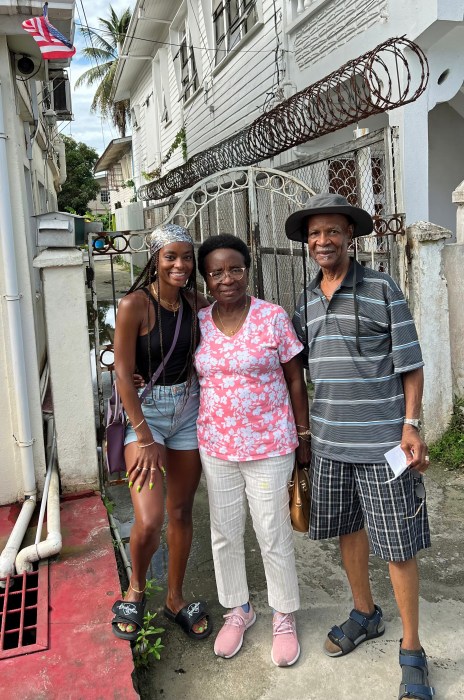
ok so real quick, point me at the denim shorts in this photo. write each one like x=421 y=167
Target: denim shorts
x=171 y=414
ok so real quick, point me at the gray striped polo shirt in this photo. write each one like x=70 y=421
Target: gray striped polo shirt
x=358 y=408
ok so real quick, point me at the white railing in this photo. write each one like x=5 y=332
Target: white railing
x=298 y=7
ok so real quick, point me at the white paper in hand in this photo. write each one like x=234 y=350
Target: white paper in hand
x=397 y=461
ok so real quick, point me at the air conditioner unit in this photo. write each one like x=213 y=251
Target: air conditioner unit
x=61 y=96
x=29 y=66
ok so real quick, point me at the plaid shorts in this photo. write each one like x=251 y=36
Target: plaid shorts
x=346 y=496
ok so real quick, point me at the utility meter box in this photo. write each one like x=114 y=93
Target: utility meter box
x=58 y=229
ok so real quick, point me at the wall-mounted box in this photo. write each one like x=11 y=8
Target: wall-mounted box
x=58 y=229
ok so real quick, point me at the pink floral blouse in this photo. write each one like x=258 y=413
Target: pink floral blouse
x=245 y=411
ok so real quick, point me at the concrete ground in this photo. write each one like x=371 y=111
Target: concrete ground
x=80 y=658
x=190 y=670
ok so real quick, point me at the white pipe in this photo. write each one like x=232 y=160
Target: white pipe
x=44 y=382
x=61 y=150
x=18 y=363
x=15 y=540
x=51 y=445
x=52 y=545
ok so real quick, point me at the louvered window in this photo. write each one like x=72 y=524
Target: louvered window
x=232 y=20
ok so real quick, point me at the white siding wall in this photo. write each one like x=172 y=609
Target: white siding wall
x=236 y=89
x=141 y=132
x=231 y=95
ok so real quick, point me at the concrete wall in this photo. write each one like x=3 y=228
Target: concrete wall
x=428 y=299
x=446 y=163
x=453 y=256
x=69 y=359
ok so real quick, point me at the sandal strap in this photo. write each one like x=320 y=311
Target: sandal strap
x=364 y=621
x=131 y=612
x=415 y=661
x=191 y=614
x=337 y=636
x=413 y=690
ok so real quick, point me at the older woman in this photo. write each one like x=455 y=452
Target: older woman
x=157 y=333
x=253 y=415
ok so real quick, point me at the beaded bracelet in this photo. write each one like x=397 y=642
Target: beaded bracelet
x=139 y=424
x=305 y=433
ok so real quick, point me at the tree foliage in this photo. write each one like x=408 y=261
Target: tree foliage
x=103 y=52
x=80 y=186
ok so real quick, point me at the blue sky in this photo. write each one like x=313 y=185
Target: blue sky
x=86 y=127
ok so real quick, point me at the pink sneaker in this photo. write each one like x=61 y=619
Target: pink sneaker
x=285 y=646
x=230 y=637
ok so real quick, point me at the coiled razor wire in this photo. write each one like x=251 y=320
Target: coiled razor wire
x=377 y=81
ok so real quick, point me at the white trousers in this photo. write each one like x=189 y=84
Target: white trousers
x=263 y=483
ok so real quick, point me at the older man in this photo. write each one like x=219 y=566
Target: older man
x=365 y=363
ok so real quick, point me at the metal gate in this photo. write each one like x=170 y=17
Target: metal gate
x=253 y=203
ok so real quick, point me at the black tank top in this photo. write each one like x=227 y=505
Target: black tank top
x=176 y=370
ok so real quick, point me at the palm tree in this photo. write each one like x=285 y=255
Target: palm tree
x=104 y=53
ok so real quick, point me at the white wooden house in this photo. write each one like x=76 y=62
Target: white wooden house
x=213 y=66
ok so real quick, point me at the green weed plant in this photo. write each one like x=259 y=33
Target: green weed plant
x=146 y=646
x=449 y=449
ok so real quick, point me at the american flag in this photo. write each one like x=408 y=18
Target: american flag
x=52 y=44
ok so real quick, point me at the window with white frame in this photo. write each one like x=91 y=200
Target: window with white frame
x=104 y=196
x=188 y=69
x=232 y=20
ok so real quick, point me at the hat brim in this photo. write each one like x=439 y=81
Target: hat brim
x=294 y=226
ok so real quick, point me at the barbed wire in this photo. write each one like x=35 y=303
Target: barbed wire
x=379 y=80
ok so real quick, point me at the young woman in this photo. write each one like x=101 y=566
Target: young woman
x=253 y=415
x=161 y=436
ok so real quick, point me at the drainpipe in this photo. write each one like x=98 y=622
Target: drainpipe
x=18 y=364
x=50 y=500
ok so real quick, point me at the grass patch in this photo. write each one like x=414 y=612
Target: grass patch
x=449 y=449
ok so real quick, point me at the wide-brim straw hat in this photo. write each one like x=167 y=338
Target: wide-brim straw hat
x=326 y=203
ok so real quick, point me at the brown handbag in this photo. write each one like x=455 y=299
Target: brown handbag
x=299 y=496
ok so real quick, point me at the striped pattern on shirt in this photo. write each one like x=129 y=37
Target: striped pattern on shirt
x=358 y=408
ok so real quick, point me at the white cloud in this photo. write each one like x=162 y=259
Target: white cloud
x=87 y=127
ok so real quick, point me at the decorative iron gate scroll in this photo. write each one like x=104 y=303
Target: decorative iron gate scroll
x=253 y=204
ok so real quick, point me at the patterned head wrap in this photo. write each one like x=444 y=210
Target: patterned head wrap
x=167 y=233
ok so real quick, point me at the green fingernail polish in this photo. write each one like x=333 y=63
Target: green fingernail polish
x=150 y=485
x=127 y=474
x=139 y=488
x=131 y=483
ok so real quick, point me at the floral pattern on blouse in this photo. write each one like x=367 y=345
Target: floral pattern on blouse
x=245 y=410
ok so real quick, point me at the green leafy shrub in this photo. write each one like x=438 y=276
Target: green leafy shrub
x=449 y=449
